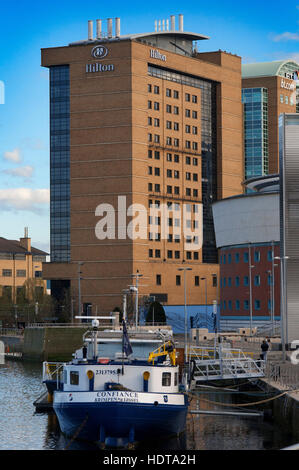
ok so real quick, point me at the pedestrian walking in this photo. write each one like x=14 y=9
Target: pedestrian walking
x=264 y=348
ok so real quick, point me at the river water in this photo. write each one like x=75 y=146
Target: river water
x=23 y=429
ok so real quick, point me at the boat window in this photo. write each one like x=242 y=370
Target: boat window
x=166 y=379
x=175 y=378
x=74 y=378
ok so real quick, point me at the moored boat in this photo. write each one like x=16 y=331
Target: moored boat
x=118 y=391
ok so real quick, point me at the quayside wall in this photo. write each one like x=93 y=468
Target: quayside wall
x=52 y=343
x=285 y=409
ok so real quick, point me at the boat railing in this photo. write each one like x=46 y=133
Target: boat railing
x=53 y=371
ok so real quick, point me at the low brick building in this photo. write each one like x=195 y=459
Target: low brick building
x=20 y=268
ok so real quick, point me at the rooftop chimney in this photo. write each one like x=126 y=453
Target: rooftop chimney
x=26 y=241
x=172 y=20
x=109 y=27
x=117 y=27
x=90 y=30
x=181 y=23
x=99 y=29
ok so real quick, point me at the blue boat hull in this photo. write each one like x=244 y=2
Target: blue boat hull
x=127 y=421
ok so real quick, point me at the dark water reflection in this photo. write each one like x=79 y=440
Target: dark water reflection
x=23 y=429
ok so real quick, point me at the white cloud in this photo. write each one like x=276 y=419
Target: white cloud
x=287 y=36
x=24 y=199
x=25 y=172
x=14 y=156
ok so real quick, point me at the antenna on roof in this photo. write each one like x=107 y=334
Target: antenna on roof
x=26 y=232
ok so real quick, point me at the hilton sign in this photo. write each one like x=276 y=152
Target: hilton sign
x=99 y=52
x=287 y=85
x=97 y=67
x=155 y=54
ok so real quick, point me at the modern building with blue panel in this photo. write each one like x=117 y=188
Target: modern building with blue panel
x=268 y=89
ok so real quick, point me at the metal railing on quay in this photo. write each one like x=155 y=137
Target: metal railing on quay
x=11 y=332
x=223 y=363
x=203 y=352
x=64 y=325
x=283 y=374
x=58 y=325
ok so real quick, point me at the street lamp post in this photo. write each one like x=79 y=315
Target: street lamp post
x=250 y=286
x=137 y=276
x=283 y=313
x=125 y=293
x=80 y=263
x=273 y=289
x=206 y=297
x=72 y=311
x=186 y=318
x=270 y=281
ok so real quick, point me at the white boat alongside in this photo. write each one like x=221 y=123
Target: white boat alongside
x=117 y=391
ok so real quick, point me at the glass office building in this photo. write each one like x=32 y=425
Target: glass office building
x=268 y=89
x=256 y=131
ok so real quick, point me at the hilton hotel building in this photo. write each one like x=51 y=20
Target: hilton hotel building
x=147 y=117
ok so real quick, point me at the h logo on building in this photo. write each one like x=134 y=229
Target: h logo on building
x=2 y=353
x=2 y=92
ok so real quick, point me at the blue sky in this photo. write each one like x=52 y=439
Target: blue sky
x=255 y=30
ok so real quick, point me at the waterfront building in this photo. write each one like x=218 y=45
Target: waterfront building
x=20 y=268
x=149 y=118
x=268 y=89
x=248 y=237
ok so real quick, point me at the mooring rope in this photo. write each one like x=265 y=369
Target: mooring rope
x=77 y=432
x=233 y=405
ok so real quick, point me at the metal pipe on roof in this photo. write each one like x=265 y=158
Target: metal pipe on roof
x=181 y=23
x=99 y=29
x=172 y=21
x=117 y=27
x=109 y=27
x=163 y=25
x=90 y=30
x=156 y=25
x=159 y=25
x=167 y=25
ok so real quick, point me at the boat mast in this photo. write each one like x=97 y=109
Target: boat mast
x=95 y=325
